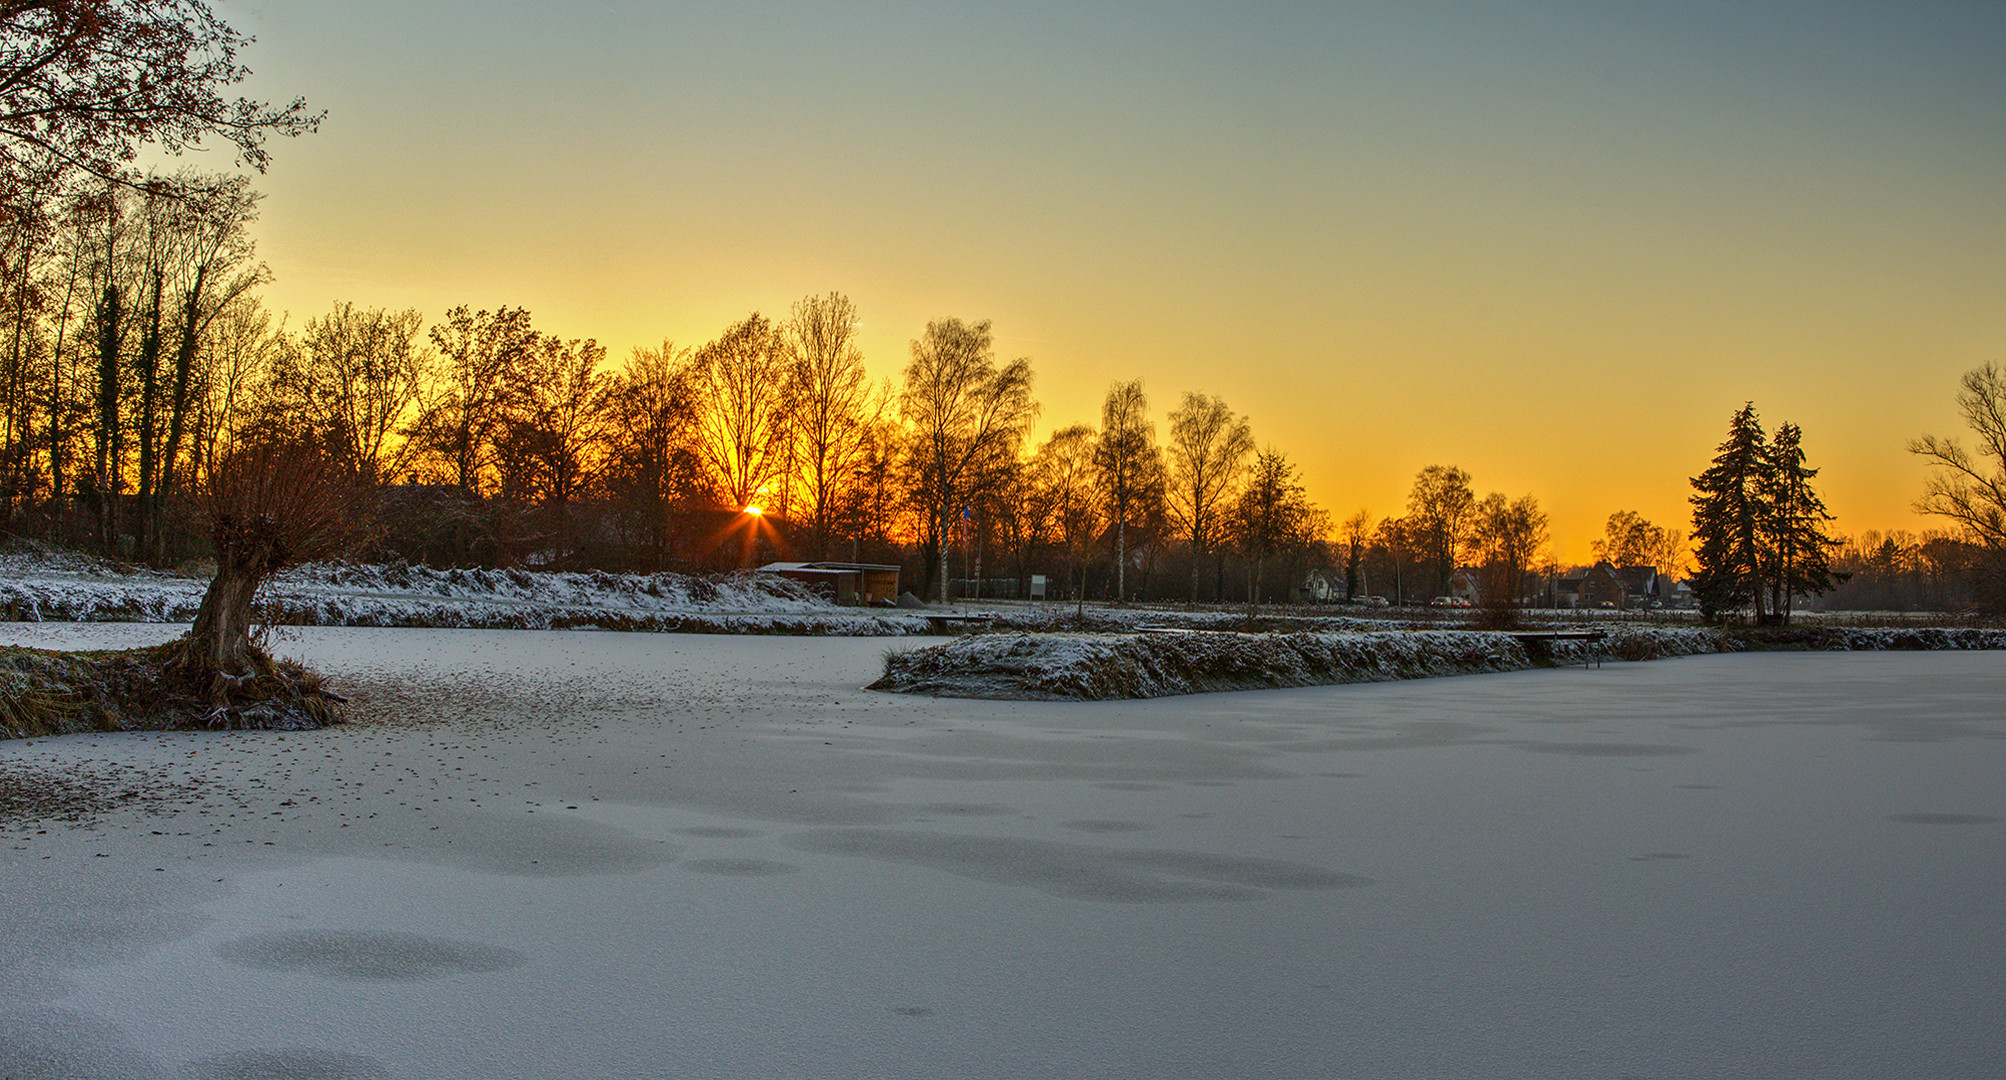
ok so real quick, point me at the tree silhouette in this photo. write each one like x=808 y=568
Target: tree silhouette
x=85 y=83
x=966 y=416
x=1208 y=452
x=1727 y=516
x=1968 y=486
x=1129 y=465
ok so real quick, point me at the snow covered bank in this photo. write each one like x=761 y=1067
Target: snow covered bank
x=1096 y=667
x=56 y=589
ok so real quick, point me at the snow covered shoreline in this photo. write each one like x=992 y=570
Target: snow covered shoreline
x=1099 y=667
x=340 y=594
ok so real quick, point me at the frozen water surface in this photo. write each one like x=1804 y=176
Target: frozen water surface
x=627 y=855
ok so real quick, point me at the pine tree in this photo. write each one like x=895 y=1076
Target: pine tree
x=1727 y=514
x=1792 y=525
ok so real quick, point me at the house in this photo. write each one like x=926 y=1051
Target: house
x=1567 y=591
x=1607 y=586
x=1640 y=586
x=1463 y=587
x=1601 y=586
x=1321 y=587
x=864 y=584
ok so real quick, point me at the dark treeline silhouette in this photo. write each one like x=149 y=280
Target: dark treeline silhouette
x=137 y=356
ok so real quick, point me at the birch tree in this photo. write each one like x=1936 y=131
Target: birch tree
x=1129 y=466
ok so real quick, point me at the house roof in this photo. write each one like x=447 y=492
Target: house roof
x=824 y=567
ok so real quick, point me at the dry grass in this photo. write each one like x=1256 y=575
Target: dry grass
x=44 y=692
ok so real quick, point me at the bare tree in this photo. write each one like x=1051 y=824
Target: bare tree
x=1063 y=469
x=652 y=468
x=1129 y=465
x=1209 y=448
x=85 y=83
x=1968 y=486
x=1272 y=514
x=1629 y=540
x=554 y=432
x=246 y=350
x=1396 y=538
x=214 y=269
x=1505 y=542
x=1667 y=553
x=742 y=394
x=355 y=376
x=1355 y=536
x=1439 y=518
x=834 y=408
x=463 y=411
x=1022 y=516
x=966 y=417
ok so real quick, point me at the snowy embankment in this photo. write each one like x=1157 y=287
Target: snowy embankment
x=62 y=587
x=1095 y=667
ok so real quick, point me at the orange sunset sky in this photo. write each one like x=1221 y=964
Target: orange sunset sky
x=1556 y=245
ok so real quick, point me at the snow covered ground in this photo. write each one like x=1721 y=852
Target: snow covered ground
x=39 y=584
x=1099 y=667
x=560 y=855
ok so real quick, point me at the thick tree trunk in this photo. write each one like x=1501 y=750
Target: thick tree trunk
x=218 y=647
x=220 y=640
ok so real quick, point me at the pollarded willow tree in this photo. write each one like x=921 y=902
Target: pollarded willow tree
x=965 y=417
x=273 y=502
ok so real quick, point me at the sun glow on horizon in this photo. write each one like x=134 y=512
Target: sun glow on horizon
x=1554 y=246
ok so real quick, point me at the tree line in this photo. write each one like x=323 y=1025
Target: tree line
x=140 y=373
x=137 y=352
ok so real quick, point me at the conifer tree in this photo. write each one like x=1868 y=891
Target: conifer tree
x=1727 y=511
x=1792 y=525
x=1759 y=524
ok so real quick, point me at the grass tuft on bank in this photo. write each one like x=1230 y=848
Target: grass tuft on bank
x=45 y=692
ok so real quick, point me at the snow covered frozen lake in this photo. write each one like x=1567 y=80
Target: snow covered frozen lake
x=594 y=855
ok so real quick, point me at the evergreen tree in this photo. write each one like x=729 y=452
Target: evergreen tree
x=1727 y=515
x=1792 y=525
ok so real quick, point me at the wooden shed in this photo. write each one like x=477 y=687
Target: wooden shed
x=863 y=584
